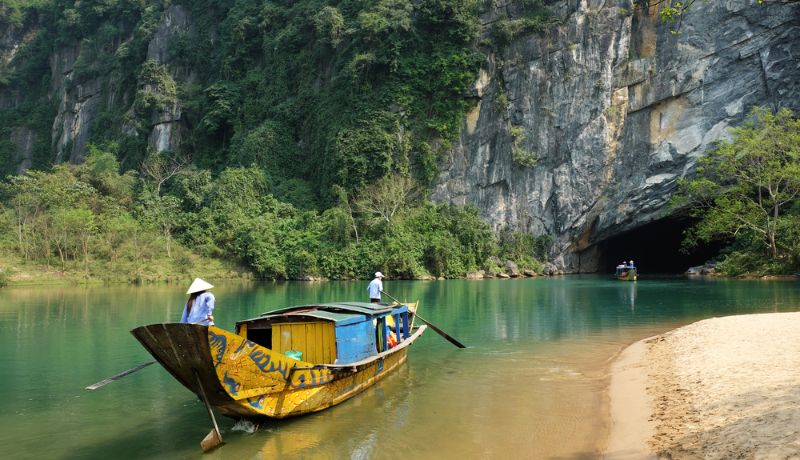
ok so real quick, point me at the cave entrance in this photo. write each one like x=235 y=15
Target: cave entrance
x=655 y=247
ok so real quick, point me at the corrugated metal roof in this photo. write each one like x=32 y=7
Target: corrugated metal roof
x=331 y=316
x=363 y=308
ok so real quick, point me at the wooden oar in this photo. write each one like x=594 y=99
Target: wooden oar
x=436 y=329
x=213 y=439
x=114 y=378
x=441 y=332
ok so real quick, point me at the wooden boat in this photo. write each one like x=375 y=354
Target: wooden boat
x=285 y=362
x=626 y=274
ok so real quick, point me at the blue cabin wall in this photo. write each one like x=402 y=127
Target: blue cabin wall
x=355 y=342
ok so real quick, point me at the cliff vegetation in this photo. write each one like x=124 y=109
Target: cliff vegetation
x=144 y=139
x=310 y=131
x=746 y=192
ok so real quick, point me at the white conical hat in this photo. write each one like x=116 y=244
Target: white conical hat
x=199 y=285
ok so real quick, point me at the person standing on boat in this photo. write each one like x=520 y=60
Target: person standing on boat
x=375 y=287
x=631 y=265
x=199 y=308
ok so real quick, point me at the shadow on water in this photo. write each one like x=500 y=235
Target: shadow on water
x=150 y=439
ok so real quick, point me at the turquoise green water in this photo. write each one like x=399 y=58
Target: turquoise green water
x=531 y=384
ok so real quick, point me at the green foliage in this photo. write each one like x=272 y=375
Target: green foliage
x=502 y=102
x=330 y=94
x=671 y=12
x=426 y=166
x=517 y=246
x=523 y=157
x=220 y=110
x=330 y=25
x=309 y=125
x=12 y=13
x=76 y=219
x=158 y=89
x=297 y=192
x=268 y=146
x=55 y=215
x=324 y=76
x=520 y=155
x=456 y=240
x=88 y=219
x=746 y=191
x=507 y=30
x=362 y=154
x=101 y=171
x=534 y=19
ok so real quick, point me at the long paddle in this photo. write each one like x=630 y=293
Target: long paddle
x=436 y=329
x=122 y=374
x=113 y=378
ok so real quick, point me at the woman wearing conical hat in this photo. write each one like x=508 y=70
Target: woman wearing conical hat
x=200 y=306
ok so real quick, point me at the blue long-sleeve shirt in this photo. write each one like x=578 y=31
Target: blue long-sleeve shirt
x=375 y=287
x=203 y=308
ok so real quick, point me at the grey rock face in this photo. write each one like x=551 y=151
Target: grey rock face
x=167 y=130
x=615 y=108
x=23 y=140
x=512 y=269
x=707 y=269
x=174 y=23
x=12 y=40
x=78 y=105
x=81 y=99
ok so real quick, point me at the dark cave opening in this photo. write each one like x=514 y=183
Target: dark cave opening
x=655 y=248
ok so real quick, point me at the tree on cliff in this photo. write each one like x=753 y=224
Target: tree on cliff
x=747 y=190
x=673 y=11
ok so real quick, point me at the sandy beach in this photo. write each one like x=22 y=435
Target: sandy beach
x=717 y=389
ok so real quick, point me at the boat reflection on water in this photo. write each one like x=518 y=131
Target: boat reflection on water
x=321 y=435
x=631 y=296
x=291 y=444
x=627 y=295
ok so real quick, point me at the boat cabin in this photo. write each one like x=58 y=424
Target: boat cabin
x=340 y=333
x=626 y=272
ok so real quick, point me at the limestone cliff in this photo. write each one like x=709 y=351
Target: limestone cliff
x=79 y=93
x=614 y=108
x=580 y=132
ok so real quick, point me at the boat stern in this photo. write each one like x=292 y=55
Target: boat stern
x=183 y=350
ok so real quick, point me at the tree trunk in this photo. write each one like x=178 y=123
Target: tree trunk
x=773 y=248
x=86 y=255
x=61 y=258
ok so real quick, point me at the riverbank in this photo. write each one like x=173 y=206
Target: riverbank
x=719 y=388
x=15 y=271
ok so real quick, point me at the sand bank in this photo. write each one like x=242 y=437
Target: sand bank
x=719 y=388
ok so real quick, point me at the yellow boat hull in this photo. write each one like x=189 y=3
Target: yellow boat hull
x=245 y=380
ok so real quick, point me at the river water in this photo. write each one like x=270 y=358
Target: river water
x=530 y=385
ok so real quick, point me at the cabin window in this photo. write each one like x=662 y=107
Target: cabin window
x=262 y=337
